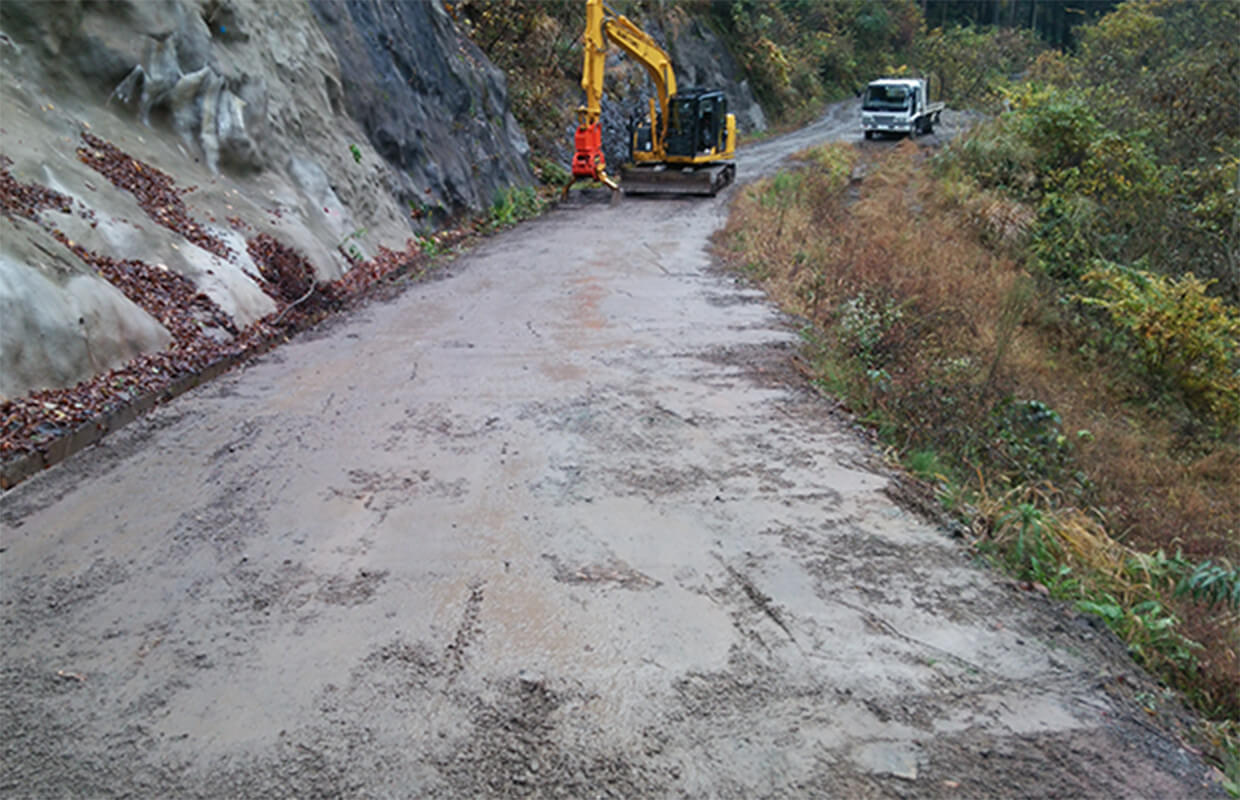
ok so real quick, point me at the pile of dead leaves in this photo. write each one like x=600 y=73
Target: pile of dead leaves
x=154 y=190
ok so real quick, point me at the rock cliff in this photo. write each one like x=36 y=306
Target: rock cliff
x=429 y=101
x=331 y=128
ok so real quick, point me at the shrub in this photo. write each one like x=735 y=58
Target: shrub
x=1182 y=334
x=973 y=65
x=1058 y=125
x=514 y=204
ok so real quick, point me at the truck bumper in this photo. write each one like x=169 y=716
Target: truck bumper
x=891 y=127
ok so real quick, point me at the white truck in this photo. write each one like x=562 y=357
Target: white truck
x=898 y=105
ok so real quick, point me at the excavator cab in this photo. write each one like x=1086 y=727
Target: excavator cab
x=696 y=125
x=695 y=122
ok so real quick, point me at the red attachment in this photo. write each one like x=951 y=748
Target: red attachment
x=588 y=161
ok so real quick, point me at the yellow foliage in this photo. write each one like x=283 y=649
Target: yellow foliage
x=1183 y=334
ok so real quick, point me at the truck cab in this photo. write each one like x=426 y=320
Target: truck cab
x=900 y=106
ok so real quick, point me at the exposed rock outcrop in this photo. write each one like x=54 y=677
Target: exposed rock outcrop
x=429 y=102
x=243 y=104
x=705 y=61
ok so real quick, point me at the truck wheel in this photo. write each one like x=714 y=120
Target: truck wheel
x=869 y=134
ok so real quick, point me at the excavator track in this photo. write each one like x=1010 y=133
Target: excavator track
x=706 y=180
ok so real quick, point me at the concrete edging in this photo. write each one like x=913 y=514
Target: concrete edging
x=15 y=470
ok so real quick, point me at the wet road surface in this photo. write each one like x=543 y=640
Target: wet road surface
x=564 y=523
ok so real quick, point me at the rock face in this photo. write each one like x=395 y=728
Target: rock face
x=82 y=322
x=705 y=61
x=429 y=101
x=322 y=127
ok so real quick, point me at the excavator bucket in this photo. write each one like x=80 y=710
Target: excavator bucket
x=705 y=179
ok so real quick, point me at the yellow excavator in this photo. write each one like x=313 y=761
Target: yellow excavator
x=688 y=141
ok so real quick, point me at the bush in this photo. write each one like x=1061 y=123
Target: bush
x=513 y=205
x=1182 y=335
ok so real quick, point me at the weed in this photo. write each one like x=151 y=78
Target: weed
x=349 y=247
x=551 y=173
x=429 y=245
x=924 y=464
x=512 y=205
x=1213 y=585
x=863 y=321
x=1035 y=554
x=356 y=152
x=1182 y=334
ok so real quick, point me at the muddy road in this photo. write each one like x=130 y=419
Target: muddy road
x=564 y=523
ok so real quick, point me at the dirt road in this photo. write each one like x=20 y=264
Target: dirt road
x=564 y=523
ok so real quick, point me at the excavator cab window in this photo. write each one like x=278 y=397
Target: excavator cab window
x=682 y=125
x=707 y=124
x=684 y=115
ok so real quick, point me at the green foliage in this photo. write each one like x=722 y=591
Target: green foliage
x=1094 y=189
x=1055 y=21
x=1123 y=43
x=833 y=163
x=1027 y=440
x=938 y=353
x=356 y=152
x=925 y=464
x=782 y=190
x=1148 y=627
x=974 y=65
x=1161 y=77
x=349 y=247
x=996 y=156
x=1035 y=553
x=1057 y=125
x=1182 y=335
x=1065 y=236
x=429 y=245
x=799 y=53
x=1224 y=738
x=1212 y=584
x=551 y=173
x=861 y=323
x=538 y=45
x=514 y=204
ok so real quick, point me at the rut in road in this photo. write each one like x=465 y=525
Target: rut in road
x=563 y=523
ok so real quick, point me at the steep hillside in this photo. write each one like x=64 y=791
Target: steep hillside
x=183 y=144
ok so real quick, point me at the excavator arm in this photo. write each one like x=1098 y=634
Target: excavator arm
x=603 y=25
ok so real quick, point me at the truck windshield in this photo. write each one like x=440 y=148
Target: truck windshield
x=886 y=98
